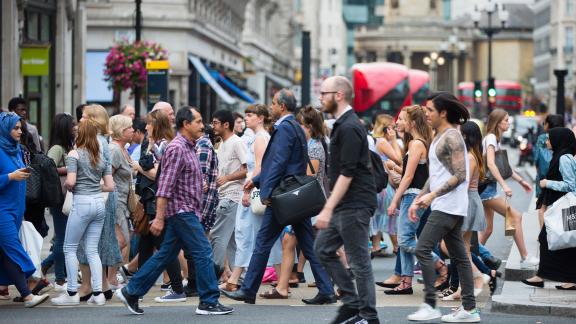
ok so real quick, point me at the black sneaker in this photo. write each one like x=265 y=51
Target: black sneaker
x=214 y=309
x=131 y=302
x=345 y=314
x=166 y=287
x=191 y=292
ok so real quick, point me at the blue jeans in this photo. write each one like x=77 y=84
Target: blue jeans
x=267 y=236
x=407 y=235
x=483 y=251
x=60 y=221
x=183 y=232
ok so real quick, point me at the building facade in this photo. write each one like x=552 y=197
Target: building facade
x=554 y=30
x=38 y=57
x=268 y=47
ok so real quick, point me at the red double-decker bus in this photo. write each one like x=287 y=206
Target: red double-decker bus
x=419 y=86
x=380 y=88
x=508 y=95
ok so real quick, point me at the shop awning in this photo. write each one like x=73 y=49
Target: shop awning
x=201 y=68
x=230 y=85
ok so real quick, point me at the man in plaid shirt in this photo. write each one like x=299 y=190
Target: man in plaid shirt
x=179 y=199
x=209 y=166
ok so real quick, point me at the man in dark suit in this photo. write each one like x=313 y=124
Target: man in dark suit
x=284 y=156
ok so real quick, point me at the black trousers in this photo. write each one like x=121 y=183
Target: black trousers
x=146 y=246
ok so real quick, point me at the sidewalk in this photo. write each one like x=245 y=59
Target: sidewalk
x=518 y=298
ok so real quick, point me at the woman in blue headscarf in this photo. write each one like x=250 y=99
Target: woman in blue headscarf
x=15 y=264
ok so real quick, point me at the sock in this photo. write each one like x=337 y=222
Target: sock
x=96 y=293
x=72 y=293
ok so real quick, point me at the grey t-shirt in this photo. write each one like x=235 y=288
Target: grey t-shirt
x=122 y=172
x=87 y=176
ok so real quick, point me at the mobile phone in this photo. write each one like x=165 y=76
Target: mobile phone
x=26 y=170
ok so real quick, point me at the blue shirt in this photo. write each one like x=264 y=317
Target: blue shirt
x=281 y=119
x=568 y=172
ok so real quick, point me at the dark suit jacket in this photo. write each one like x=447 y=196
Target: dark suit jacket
x=284 y=156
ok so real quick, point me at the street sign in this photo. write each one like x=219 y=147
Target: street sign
x=157 y=82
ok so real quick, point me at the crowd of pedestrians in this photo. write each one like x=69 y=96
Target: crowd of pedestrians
x=189 y=201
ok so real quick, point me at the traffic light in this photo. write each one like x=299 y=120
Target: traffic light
x=478 y=91
x=491 y=90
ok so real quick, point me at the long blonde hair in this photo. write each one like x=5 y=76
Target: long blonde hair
x=382 y=121
x=417 y=115
x=494 y=119
x=100 y=117
x=88 y=140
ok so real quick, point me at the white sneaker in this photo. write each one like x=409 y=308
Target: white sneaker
x=35 y=301
x=61 y=288
x=462 y=316
x=529 y=262
x=425 y=313
x=99 y=300
x=66 y=300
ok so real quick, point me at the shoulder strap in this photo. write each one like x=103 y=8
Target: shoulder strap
x=304 y=149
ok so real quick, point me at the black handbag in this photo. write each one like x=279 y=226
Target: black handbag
x=298 y=197
x=501 y=160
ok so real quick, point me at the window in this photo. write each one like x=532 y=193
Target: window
x=432 y=4
x=569 y=8
x=569 y=41
x=395 y=4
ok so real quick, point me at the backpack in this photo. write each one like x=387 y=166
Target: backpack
x=377 y=168
x=50 y=190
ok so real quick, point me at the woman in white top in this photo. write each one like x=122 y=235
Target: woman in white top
x=247 y=223
x=497 y=124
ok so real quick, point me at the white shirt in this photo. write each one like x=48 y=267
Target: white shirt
x=454 y=202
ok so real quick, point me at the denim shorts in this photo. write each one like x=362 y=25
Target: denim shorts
x=490 y=192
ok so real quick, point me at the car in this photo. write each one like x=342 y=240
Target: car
x=523 y=127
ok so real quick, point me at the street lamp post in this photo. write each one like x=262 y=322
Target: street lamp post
x=433 y=61
x=490 y=30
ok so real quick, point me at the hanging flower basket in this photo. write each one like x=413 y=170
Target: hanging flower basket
x=126 y=64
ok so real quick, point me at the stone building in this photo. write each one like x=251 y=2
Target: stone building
x=554 y=30
x=39 y=56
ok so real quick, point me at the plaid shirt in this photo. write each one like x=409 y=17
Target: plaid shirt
x=209 y=167
x=180 y=179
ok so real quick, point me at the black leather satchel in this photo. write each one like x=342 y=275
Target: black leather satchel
x=501 y=161
x=298 y=197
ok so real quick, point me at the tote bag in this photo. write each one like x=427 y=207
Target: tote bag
x=32 y=243
x=560 y=222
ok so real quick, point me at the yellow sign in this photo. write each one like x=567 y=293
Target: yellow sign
x=157 y=65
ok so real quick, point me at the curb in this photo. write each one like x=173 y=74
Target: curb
x=500 y=305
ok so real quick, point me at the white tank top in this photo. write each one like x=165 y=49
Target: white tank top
x=456 y=201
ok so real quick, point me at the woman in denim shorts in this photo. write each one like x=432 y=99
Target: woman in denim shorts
x=497 y=124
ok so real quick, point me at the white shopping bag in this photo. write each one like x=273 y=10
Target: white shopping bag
x=32 y=243
x=560 y=222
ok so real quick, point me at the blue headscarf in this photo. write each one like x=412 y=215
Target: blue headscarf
x=7 y=143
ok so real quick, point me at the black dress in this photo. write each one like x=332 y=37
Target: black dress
x=559 y=265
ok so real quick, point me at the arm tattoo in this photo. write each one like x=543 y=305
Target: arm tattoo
x=451 y=153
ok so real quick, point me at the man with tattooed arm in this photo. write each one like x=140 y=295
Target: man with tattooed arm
x=446 y=192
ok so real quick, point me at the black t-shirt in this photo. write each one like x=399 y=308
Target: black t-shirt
x=349 y=156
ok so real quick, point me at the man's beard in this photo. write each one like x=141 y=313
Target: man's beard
x=330 y=107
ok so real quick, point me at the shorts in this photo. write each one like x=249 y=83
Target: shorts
x=490 y=192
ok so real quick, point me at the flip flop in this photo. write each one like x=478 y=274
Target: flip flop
x=272 y=294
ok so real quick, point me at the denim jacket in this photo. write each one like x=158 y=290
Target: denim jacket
x=568 y=171
x=542 y=158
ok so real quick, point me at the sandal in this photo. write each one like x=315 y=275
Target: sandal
x=447 y=292
x=230 y=287
x=442 y=280
x=290 y=284
x=272 y=294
